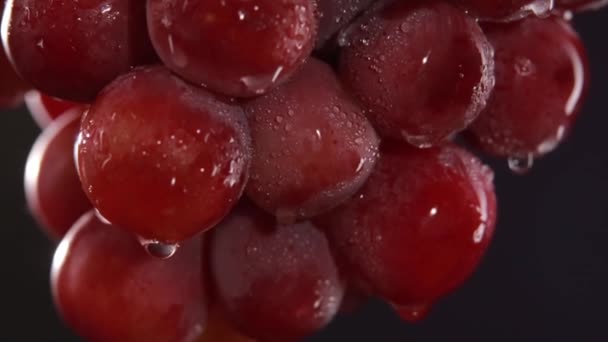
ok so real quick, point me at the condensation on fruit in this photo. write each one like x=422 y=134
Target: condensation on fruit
x=276 y=282
x=262 y=42
x=72 y=49
x=313 y=147
x=441 y=198
x=335 y=14
x=422 y=70
x=540 y=86
x=161 y=158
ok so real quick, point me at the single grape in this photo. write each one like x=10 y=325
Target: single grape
x=53 y=191
x=580 y=5
x=540 y=83
x=335 y=14
x=108 y=289
x=44 y=109
x=276 y=282
x=12 y=87
x=235 y=47
x=313 y=148
x=505 y=10
x=419 y=226
x=422 y=69
x=161 y=158
x=72 y=49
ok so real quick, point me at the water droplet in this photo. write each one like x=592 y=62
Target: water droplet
x=158 y=249
x=105 y=8
x=524 y=66
x=521 y=165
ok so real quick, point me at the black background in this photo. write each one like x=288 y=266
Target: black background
x=545 y=278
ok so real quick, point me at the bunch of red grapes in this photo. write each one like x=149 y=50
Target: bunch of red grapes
x=245 y=170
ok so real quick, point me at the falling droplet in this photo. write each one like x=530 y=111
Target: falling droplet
x=413 y=313
x=521 y=165
x=158 y=249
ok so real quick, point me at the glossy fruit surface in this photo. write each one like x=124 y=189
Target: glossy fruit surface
x=423 y=70
x=504 y=10
x=419 y=226
x=313 y=148
x=335 y=14
x=12 y=87
x=72 y=49
x=108 y=289
x=540 y=84
x=161 y=158
x=276 y=282
x=44 y=109
x=53 y=191
x=262 y=42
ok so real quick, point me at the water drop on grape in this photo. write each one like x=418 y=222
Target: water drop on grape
x=521 y=165
x=158 y=249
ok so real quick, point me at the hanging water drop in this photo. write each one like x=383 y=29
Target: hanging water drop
x=521 y=165
x=159 y=249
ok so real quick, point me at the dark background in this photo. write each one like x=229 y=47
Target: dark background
x=545 y=278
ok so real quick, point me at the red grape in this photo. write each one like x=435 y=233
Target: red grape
x=505 y=10
x=235 y=47
x=276 y=282
x=419 y=226
x=108 y=289
x=335 y=14
x=313 y=148
x=53 y=190
x=423 y=70
x=540 y=83
x=45 y=109
x=161 y=158
x=580 y=5
x=12 y=87
x=72 y=49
